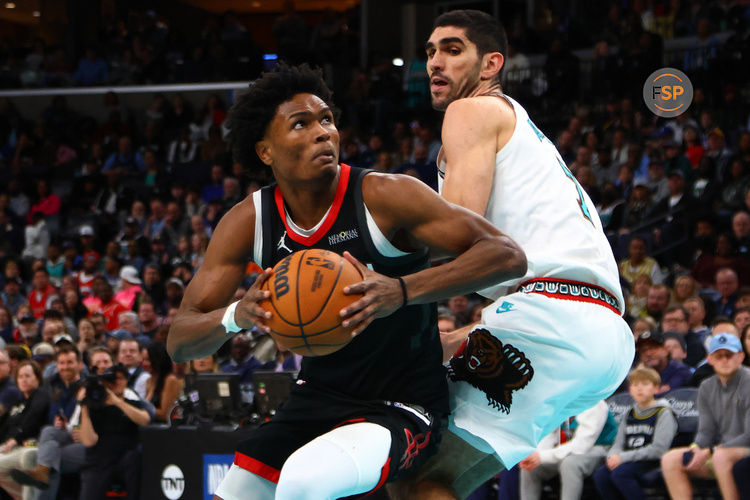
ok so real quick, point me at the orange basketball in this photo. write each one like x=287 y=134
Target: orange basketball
x=307 y=293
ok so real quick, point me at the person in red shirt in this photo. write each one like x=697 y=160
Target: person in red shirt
x=109 y=307
x=41 y=292
x=85 y=276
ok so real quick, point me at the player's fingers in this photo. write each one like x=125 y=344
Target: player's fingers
x=355 y=307
x=262 y=278
x=359 y=288
x=360 y=267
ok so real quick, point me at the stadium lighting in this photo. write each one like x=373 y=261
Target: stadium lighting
x=397 y=61
x=10 y=5
x=36 y=13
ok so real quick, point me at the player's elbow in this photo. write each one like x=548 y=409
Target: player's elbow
x=515 y=259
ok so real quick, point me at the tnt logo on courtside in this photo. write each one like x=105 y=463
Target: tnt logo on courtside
x=172 y=482
x=668 y=92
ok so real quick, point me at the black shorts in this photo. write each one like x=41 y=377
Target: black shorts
x=415 y=433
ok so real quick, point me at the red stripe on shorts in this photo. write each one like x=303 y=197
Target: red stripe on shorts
x=384 y=471
x=256 y=467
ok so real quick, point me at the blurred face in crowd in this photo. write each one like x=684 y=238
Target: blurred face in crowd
x=653 y=354
x=157 y=208
x=675 y=321
x=742 y=319
x=28 y=330
x=150 y=276
x=684 y=287
x=119 y=385
x=453 y=65
x=41 y=280
x=173 y=212
x=726 y=282
x=138 y=209
x=146 y=313
x=52 y=328
x=725 y=363
x=68 y=367
x=446 y=325
x=741 y=224
x=458 y=304
x=202 y=365
x=240 y=348
x=676 y=352
x=100 y=323
x=636 y=250
x=86 y=331
x=11 y=269
x=657 y=299
x=641 y=286
x=26 y=380
x=101 y=360
x=197 y=224
x=642 y=391
x=217 y=174
x=128 y=323
x=4 y=365
x=5 y=317
x=103 y=290
x=124 y=145
x=129 y=353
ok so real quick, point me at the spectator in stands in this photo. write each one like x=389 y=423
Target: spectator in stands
x=9 y=393
x=130 y=287
x=41 y=293
x=25 y=420
x=126 y=160
x=86 y=337
x=746 y=345
x=644 y=434
x=36 y=237
x=446 y=321
x=214 y=190
x=149 y=319
x=28 y=330
x=696 y=309
x=727 y=285
x=653 y=354
x=675 y=320
x=741 y=318
x=162 y=387
x=12 y=297
x=110 y=435
x=6 y=325
x=459 y=306
x=107 y=305
x=723 y=424
x=676 y=345
x=657 y=301
x=589 y=435
x=741 y=231
x=639 y=263
x=685 y=287
x=129 y=355
x=92 y=69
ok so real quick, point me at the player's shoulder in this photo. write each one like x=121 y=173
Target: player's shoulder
x=490 y=111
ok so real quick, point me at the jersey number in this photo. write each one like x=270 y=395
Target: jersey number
x=581 y=201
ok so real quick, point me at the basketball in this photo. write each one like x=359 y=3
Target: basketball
x=307 y=293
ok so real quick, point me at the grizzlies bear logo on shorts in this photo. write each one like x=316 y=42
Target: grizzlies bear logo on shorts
x=493 y=368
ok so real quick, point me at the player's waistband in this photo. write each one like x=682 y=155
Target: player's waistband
x=571 y=290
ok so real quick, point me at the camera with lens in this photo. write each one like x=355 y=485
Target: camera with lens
x=96 y=391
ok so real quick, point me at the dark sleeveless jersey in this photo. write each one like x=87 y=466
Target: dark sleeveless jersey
x=396 y=358
x=639 y=431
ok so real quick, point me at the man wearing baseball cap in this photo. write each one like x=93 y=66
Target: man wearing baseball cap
x=723 y=436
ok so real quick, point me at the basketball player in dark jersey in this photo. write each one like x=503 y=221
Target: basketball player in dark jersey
x=370 y=412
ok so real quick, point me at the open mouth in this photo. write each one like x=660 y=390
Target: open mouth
x=438 y=83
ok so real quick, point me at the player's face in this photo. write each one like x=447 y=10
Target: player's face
x=453 y=65
x=301 y=141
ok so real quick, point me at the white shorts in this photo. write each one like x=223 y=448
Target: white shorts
x=542 y=359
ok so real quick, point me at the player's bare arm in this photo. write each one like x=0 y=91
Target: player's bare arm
x=474 y=130
x=403 y=206
x=197 y=330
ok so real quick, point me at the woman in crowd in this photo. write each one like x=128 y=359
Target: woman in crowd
x=163 y=388
x=685 y=287
x=24 y=422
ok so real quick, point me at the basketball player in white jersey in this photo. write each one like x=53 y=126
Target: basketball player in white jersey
x=554 y=342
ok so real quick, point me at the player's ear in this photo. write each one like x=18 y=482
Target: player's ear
x=492 y=62
x=263 y=150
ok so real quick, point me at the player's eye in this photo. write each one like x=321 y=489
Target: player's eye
x=327 y=119
x=299 y=124
x=430 y=53
x=454 y=51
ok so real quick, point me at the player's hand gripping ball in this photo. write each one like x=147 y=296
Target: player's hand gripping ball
x=307 y=293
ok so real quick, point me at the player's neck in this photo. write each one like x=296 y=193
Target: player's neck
x=487 y=87
x=307 y=203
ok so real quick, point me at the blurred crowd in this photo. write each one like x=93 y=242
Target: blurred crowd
x=105 y=219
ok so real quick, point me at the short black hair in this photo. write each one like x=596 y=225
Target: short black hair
x=482 y=30
x=253 y=110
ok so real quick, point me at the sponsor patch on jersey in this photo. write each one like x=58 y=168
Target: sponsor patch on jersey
x=494 y=368
x=343 y=236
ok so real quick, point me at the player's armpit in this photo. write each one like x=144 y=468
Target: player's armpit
x=484 y=255
x=471 y=128
x=197 y=330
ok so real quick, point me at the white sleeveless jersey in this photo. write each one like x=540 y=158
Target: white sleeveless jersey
x=536 y=201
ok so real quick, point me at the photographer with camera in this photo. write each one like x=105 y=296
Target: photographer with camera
x=23 y=422
x=110 y=417
x=59 y=450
